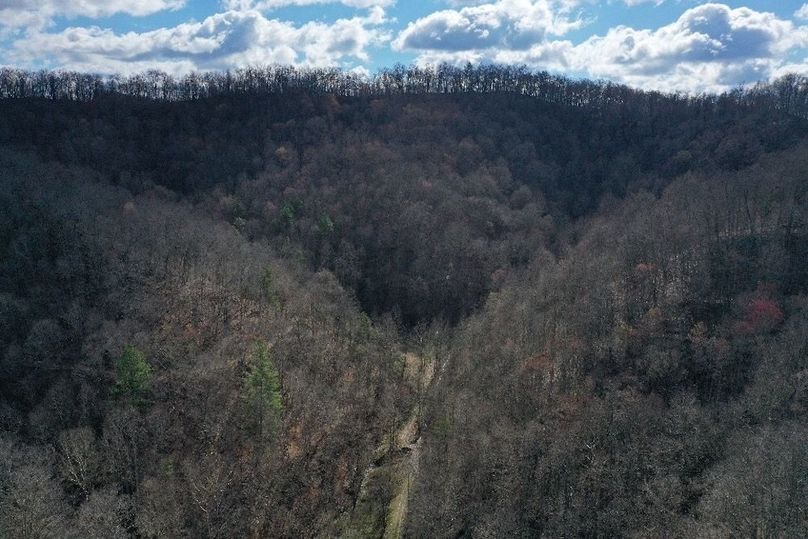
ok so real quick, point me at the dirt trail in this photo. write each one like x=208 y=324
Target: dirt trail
x=395 y=465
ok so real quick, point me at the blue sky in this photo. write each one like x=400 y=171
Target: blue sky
x=672 y=45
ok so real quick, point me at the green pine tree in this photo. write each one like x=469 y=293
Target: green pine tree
x=262 y=390
x=132 y=374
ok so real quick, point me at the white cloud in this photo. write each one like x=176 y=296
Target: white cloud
x=504 y=24
x=553 y=55
x=802 y=13
x=225 y=40
x=710 y=47
x=266 y=5
x=632 y=3
x=38 y=13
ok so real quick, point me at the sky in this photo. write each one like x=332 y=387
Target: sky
x=669 y=45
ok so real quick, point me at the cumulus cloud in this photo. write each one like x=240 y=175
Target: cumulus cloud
x=710 y=47
x=802 y=13
x=266 y=5
x=552 y=55
x=221 y=41
x=504 y=24
x=638 y=2
x=37 y=13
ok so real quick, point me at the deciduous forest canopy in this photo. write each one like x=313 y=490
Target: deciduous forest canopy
x=437 y=302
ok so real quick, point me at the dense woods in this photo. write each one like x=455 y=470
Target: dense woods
x=788 y=93
x=445 y=302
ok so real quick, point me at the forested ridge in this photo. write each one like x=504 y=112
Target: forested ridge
x=480 y=302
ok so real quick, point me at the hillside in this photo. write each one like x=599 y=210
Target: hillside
x=482 y=302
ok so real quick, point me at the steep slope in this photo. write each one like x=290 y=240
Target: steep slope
x=651 y=381
x=139 y=342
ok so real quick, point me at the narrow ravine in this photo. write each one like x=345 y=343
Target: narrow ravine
x=384 y=495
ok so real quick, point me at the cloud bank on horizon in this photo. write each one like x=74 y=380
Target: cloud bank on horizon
x=670 y=45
